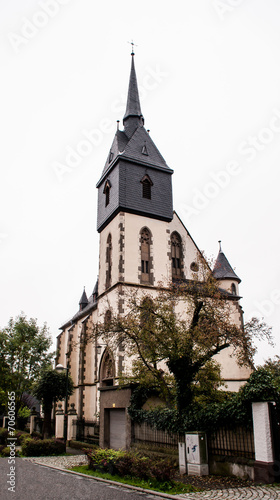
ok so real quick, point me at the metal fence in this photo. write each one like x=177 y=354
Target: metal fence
x=237 y=442
x=144 y=434
x=87 y=431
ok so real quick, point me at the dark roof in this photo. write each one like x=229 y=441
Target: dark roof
x=133 y=102
x=134 y=142
x=132 y=149
x=223 y=269
x=84 y=300
x=95 y=290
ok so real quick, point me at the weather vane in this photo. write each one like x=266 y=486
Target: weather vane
x=132 y=46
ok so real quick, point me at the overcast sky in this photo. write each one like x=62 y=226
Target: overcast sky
x=209 y=78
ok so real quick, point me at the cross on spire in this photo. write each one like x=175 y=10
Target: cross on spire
x=132 y=47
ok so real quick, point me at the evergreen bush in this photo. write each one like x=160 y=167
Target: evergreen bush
x=44 y=447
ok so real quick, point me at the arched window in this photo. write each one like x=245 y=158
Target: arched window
x=145 y=255
x=107 y=319
x=106 y=191
x=176 y=255
x=146 y=187
x=233 y=289
x=107 y=370
x=108 y=261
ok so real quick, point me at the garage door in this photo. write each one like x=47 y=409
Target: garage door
x=117 y=429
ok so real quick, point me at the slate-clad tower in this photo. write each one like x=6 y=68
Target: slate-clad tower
x=136 y=178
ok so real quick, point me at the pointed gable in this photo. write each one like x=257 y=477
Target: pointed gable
x=134 y=150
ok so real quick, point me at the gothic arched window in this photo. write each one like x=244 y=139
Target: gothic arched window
x=145 y=255
x=233 y=289
x=107 y=319
x=108 y=261
x=146 y=187
x=176 y=255
x=106 y=191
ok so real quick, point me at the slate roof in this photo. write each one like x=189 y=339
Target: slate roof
x=223 y=269
x=134 y=142
x=84 y=300
x=133 y=102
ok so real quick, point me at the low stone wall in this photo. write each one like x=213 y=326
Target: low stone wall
x=232 y=466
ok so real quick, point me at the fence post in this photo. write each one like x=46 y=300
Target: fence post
x=72 y=429
x=33 y=420
x=59 y=422
x=263 y=468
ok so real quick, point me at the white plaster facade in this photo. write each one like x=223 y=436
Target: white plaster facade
x=86 y=373
x=120 y=260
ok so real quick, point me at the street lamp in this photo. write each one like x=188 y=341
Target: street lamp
x=60 y=369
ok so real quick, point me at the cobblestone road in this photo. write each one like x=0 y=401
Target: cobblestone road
x=252 y=493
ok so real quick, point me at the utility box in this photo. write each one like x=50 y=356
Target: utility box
x=197 y=455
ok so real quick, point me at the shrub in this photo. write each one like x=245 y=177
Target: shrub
x=44 y=447
x=3 y=436
x=21 y=436
x=131 y=464
x=100 y=459
x=6 y=452
x=36 y=435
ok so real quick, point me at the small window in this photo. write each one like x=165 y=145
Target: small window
x=107 y=194
x=106 y=191
x=233 y=289
x=107 y=319
x=111 y=156
x=108 y=261
x=147 y=190
x=194 y=267
x=176 y=255
x=144 y=150
x=145 y=255
x=146 y=187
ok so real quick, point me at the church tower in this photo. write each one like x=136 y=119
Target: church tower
x=134 y=194
x=136 y=178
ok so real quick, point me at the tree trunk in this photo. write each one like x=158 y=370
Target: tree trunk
x=184 y=376
x=47 y=424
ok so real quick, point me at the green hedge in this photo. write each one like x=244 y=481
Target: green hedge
x=3 y=436
x=233 y=409
x=124 y=463
x=44 y=447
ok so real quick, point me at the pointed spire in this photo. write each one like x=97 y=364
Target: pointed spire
x=133 y=117
x=84 y=300
x=95 y=290
x=222 y=268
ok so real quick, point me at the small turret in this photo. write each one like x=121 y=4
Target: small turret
x=83 y=301
x=224 y=273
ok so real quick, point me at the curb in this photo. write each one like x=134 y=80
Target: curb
x=115 y=483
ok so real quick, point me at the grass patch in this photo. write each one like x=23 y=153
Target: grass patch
x=173 y=488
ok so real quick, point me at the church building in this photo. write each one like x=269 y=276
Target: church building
x=142 y=242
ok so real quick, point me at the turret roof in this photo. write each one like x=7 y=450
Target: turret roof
x=223 y=269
